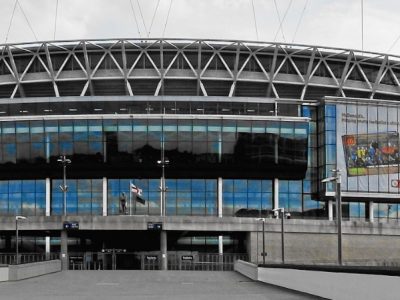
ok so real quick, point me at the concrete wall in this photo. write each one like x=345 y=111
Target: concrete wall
x=247 y=269
x=197 y=223
x=320 y=248
x=329 y=285
x=306 y=241
x=3 y=273
x=23 y=271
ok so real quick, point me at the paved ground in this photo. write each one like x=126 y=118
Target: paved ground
x=99 y=285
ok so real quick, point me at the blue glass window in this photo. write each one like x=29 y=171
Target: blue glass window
x=84 y=197
x=247 y=198
x=26 y=197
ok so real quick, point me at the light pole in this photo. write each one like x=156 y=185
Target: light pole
x=338 y=180
x=64 y=161
x=16 y=236
x=163 y=189
x=263 y=239
x=281 y=211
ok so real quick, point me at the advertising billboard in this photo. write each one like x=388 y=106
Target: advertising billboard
x=367 y=147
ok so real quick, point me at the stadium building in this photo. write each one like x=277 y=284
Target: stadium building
x=177 y=152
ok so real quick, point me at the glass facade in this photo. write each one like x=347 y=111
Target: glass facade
x=385 y=212
x=241 y=197
x=247 y=198
x=23 y=197
x=84 y=197
x=330 y=143
x=292 y=151
x=357 y=210
x=118 y=147
x=184 y=197
x=257 y=148
x=183 y=107
x=300 y=198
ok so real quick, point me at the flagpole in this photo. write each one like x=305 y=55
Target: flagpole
x=130 y=198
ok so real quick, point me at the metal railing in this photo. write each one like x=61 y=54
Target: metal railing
x=204 y=261
x=25 y=258
x=151 y=261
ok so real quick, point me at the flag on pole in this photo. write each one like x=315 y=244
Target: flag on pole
x=138 y=193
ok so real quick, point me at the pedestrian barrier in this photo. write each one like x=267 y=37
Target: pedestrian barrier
x=24 y=258
x=192 y=261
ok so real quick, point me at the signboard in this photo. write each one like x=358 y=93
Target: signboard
x=113 y=250
x=154 y=226
x=367 y=147
x=187 y=257
x=71 y=225
x=76 y=258
x=151 y=257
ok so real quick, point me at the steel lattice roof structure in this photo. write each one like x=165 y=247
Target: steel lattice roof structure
x=194 y=67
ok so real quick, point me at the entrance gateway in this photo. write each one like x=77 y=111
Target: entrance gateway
x=141 y=250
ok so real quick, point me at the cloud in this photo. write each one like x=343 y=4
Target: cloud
x=330 y=23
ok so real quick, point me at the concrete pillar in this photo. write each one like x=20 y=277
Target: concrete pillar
x=220 y=238
x=254 y=246
x=330 y=210
x=47 y=247
x=221 y=244
x=221 y=252
x=219 y=197
x=164 y=250
x=48 y=197
x=105 y=191
x=276 y=193
x=371 y=211
x=64 y=250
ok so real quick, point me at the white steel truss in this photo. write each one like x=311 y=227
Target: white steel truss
x=268 y=69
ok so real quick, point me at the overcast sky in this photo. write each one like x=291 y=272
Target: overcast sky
x=334 y=23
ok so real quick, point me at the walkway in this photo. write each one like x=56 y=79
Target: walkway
x=99 y=285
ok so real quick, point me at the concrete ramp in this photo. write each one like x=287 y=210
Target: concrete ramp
x=330 y=285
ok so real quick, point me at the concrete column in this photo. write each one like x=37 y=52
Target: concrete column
x=220 y=237
x=47 y=247
x=219 y=197
x=221 y=252
x=221 y=244
x=105 y=191
x=330 y=210
x=164 y=253
x=371 y=211
x=48 y=197
x=64 y=250
x=276 y=193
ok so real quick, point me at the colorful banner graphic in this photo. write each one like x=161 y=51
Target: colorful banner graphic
x=367 y=147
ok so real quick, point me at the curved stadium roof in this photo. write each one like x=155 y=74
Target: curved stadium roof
x=194 y=67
